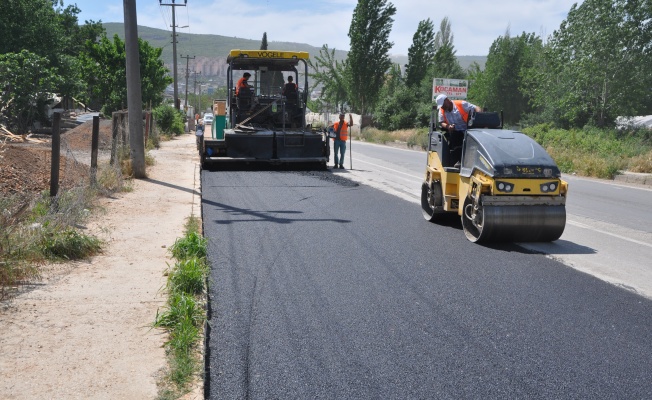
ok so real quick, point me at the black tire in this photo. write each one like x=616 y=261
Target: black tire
x=472 y=232
x=431 y=201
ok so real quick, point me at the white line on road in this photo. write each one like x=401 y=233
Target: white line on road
x=594 y=229
x=389 y=169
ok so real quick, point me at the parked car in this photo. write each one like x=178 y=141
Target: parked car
x=208 y=119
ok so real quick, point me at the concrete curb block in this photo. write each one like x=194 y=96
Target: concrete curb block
x=634 y=177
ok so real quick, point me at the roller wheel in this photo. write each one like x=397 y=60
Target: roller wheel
x=431 y=201
x=473 y=222
x=517 y=223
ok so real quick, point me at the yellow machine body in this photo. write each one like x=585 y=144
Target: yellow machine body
x=503 y=185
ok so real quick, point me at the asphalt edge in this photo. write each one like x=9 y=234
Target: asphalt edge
x=634 y=177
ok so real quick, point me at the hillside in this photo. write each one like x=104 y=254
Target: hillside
x=211 y=50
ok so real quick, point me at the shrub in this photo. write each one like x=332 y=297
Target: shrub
x=419 y=139
x=169 y=120
x=69 y=244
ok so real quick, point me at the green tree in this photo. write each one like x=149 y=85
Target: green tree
x=28 y=83
x=500 y=86
x=368 y=59
x=46 y=29
x=596 y=67
x=445 y=64
x=31 y=25
x=330 y=75
x=420 y=54
x=104 y=70
x=395 y=109
x=444 y=37
x=263 y=44
x=169 y=120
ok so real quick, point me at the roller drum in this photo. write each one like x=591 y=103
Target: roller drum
x=518 y=223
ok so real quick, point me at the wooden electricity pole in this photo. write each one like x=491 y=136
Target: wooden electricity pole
x=195 y=91
x=188 y=58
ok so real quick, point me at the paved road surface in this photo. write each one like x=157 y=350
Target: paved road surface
x=609 y=225
x=323 y=288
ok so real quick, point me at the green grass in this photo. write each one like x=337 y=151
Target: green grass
x=191 y=245
x=595 y=152
x=188 y=276
x=69 y=244
x=184 y=315
x=38 y=229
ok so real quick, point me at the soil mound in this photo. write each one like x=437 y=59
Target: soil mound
x=25 y=166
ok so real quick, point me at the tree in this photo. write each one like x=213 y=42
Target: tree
x=330 y=74
x=169 y=119
x=596 y=67
x=444 y=37
x=368 y=60
x=500 y=86
x=104 y=70
x=395 y=109
x=31 y=25
x=420 y=54
x=263 y=44
x=445 y=64
x=28 y=85
x=46 y=29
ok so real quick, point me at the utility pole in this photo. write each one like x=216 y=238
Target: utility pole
x=199 y=107
x=188 y=58
x=134 y=93
x=195 y=90
x=174 y=47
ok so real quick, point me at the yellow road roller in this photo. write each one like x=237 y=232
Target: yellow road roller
x=502 y=183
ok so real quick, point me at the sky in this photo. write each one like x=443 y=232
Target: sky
x=475 y=24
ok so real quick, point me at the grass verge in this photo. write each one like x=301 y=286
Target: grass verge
x=35 y=231
x=184 y=314
x=593 y=152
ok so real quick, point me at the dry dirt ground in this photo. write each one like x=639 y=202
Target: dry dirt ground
x=84 y=331
x=25 y=165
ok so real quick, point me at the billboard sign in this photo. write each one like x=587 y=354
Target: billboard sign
x=455 y=89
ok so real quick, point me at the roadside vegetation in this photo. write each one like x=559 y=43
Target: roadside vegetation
x=169 y=121
x=184 y=315
x=568 y=91
x=39 y=229
x=592 y=152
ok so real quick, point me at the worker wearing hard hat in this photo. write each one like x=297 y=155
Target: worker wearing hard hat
x=453 y=115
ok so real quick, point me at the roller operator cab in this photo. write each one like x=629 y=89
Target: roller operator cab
x=266 y=121
x=502 y=183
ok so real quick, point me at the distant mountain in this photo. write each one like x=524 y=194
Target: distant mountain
x=210 y=51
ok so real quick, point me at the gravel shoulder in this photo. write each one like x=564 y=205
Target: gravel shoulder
x=85 y=330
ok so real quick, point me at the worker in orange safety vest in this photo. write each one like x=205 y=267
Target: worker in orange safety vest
x=453 y=115
x=242 y=83
x=341 y=129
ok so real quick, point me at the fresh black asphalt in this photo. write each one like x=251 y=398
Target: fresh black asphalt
x=324 y=289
